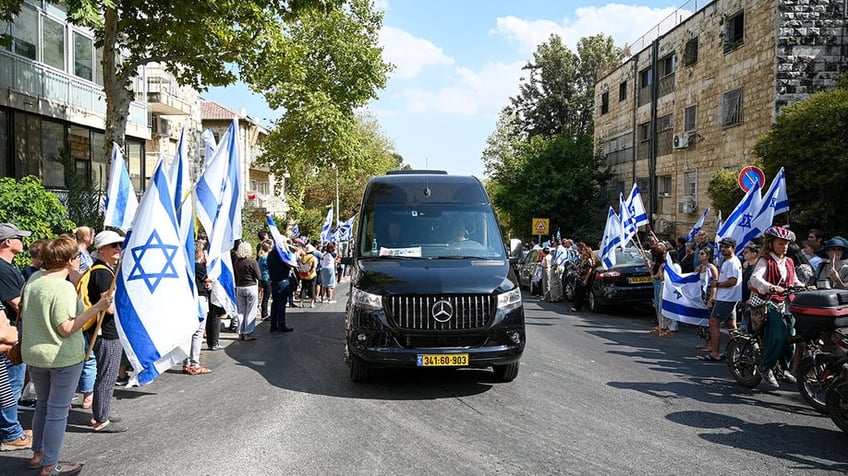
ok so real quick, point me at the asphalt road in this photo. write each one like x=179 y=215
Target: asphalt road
x=596 y=394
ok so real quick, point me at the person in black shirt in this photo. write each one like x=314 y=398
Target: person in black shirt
x=281 y=288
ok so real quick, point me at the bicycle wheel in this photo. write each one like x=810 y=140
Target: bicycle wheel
x=742 y=360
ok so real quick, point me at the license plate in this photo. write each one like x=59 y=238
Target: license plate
x=442 y=360
x=639 y=279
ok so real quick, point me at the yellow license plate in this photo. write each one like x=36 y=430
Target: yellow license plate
x=442 y=360
x=640 y=279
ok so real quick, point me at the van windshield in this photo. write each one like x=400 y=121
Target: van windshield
x=430 y=231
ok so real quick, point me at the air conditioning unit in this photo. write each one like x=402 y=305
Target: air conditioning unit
x=688 y=206
x=680 y=141
x=161 y=127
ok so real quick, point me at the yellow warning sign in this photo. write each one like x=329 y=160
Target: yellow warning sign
x=540 y=226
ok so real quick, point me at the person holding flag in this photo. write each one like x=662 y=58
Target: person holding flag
x=280 y=263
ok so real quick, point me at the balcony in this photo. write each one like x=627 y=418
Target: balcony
x=41 y=89
x=163 y=98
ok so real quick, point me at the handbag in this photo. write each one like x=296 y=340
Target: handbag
x=14 y=354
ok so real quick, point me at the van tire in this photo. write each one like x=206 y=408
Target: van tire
x=506 y=373
x=360 y=371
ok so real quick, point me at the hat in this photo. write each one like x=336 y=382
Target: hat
x=838 y=242
x=753 y=247
x=107 y=237
x=298 y=241
x=728 y=241
x=8 y=230
x=310 y=248
x=547 y=248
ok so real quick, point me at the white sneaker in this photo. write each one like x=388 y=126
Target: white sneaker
x=768 y=379
x=789 y=378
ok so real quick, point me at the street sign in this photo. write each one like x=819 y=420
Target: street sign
x=540 y=226
x=751 y=175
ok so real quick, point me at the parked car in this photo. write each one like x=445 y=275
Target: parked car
x=526 y=270
x=628 y=282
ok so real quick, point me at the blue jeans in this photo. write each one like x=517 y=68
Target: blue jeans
x=282 y=292
x=10 y=427
x=89 y=371
x=55 y=389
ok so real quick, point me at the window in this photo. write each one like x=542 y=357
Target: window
x=730 y=110
x=646 y=78
x=664 y=123
x=253 y=186
x=667 y=66
x=622 y=91
x=689 y=114
x=52 y=145
x=690 y=184
x=53 y=47
x=605 y=102
x=644 y=131
x=25 y=33
x=734 y=31
x=82 y=56
x=664 y=185
x=690 y=52
x=665 y=134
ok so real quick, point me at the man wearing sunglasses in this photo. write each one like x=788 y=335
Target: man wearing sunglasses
x=12 y=434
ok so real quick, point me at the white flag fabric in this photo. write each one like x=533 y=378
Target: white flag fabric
x=281 y=243
x=325 y=228
x=156 y=313
x=218 y=209
x=627 y=231
x=180 y=179
x=775 y=198
x=346 y=229
x=209 y=145
x=611 y=240
x=741 y=224
x=636 y=214
x=121 y=200
x=697 y=226
x=681 y=297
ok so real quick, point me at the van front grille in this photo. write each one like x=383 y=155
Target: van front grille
x=438 y=313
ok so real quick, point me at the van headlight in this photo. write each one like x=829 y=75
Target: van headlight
x=510 y=299
x=366 y=300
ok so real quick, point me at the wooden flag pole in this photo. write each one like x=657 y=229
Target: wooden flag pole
x=102 y=314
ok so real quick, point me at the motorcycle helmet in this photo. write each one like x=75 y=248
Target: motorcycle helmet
x=778 y=232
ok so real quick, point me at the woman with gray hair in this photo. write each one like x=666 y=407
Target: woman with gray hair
x=247 y=290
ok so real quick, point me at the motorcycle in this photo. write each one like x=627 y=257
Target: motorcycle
x=837 y=397
x=818 y=372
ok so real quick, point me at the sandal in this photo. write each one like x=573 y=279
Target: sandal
x=198 y=370
x=61 y=468
x=711 y=358
x=109 y=427
x=36 y=461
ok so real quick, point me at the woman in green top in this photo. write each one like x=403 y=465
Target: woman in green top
x=52 y=347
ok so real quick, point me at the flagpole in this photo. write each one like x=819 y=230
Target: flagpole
x=102 y=314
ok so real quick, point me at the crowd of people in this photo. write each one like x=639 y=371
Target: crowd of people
x=734 y=288
x=59 y=337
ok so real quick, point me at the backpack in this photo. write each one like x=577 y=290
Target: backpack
x=82 y=293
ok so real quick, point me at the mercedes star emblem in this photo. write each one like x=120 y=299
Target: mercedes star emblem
x=442 y=311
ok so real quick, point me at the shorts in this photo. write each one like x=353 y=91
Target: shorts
x=723 y=311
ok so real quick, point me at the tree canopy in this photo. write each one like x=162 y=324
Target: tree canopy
x=809 y=140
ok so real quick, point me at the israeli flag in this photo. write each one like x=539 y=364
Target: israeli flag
x=155 y=311
x=281 y=243
x=741 y=224
x=180 y=179
x=627 y=232
x=681 y=297
x=295 y=231
x=121 y=200
x=636 y=215
x=698 y=226
x=325 y=229
x=611 y=240
x=209 y=145
x=346 y=229
x=218 y=205
x=775 y=198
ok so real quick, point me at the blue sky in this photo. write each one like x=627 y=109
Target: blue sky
x=457 y=62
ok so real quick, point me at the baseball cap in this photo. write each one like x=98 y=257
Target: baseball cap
x=9 y=230
x=728 y=241
x=107 y=237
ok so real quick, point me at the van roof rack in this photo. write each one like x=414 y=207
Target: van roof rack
x=416 y=172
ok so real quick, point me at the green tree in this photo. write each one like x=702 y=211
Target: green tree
x=30 y=206
x=724 y=191
x=557 y=97
x=808 y=139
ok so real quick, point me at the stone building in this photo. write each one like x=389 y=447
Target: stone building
x=696 y=97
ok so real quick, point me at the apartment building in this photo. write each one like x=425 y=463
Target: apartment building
x=702 y=88
x=52 y=101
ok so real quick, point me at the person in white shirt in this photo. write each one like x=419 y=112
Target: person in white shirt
x=728 y=292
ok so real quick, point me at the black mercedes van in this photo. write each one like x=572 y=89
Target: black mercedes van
x=432 y=285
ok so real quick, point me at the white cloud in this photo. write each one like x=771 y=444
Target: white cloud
x=410 y=54
x=625 y=23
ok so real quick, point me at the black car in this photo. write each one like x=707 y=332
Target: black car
x=526 y=270
x=628 y=282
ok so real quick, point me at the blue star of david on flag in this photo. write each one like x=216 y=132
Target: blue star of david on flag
x=151 y=277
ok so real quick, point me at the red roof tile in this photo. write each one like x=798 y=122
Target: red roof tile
x=213 y=110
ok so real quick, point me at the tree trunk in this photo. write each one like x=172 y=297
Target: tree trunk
x=116 y=85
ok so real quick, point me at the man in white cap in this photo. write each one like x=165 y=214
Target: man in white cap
x=12 y=434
